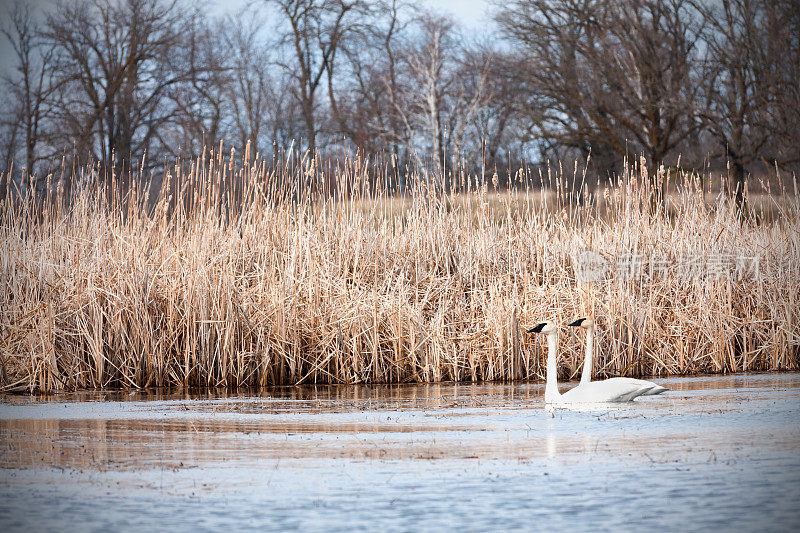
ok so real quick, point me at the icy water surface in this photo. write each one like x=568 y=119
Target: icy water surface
x=713 y=452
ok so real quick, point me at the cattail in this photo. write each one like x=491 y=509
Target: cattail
x=217 y=276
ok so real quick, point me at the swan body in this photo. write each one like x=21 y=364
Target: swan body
x=608 y=391
x=648 y=387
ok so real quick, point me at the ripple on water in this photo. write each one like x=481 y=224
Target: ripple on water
x=716 y=452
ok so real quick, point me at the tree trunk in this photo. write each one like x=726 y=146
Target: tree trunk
x=308 y=117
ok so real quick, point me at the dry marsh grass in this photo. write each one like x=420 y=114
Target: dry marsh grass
x=234 y=276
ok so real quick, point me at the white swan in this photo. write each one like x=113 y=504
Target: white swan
x=591 y=392
x=586 y=374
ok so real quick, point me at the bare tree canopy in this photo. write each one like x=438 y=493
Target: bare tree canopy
x=126 y=82
x=315 y=32
x=608 y=76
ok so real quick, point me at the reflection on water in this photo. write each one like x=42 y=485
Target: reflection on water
x=430 y=395
x=134 y=431
x=730 y=438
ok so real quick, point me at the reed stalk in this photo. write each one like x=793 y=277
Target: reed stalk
x=230 y=273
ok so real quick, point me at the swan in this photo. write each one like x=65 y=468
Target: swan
x=591 y=392
x=651 y=388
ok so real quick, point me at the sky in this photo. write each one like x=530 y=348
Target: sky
x=473 y=14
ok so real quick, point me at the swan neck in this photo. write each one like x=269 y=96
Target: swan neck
x=551 y=393
x=586 y=373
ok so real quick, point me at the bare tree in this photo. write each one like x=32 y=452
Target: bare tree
x=469 y=94
x=734 y=108
x=115 y=59
x=263 y=111
x=553 y=87
x=316 y=30
x=397 y=130
x=499 y=123
x=426 y=61
x=200 y=100
x=608 y=74
x=9 y=130
x=118 y=79
x=32 y=84
x=250 y=85
x=365 y=103
x=780 y=68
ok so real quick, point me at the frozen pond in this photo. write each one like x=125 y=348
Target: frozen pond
x=713 y=452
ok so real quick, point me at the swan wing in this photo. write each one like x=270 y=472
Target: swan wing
x=651 y=388
x=610 y=390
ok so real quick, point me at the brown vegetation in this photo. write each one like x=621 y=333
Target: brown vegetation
x=233 y=276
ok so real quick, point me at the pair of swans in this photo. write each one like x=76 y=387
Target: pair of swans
x=588 y=391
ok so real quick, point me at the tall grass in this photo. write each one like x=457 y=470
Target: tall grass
x=231 y=275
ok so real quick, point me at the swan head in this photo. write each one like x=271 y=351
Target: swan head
x=547 y=328
x=584 y=323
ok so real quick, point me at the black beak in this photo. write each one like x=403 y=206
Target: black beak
x=577 y=322
x=537 y=328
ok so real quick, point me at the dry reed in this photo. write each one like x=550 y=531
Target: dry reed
x=231 y=275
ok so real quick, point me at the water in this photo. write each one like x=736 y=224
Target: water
x=711 y=453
